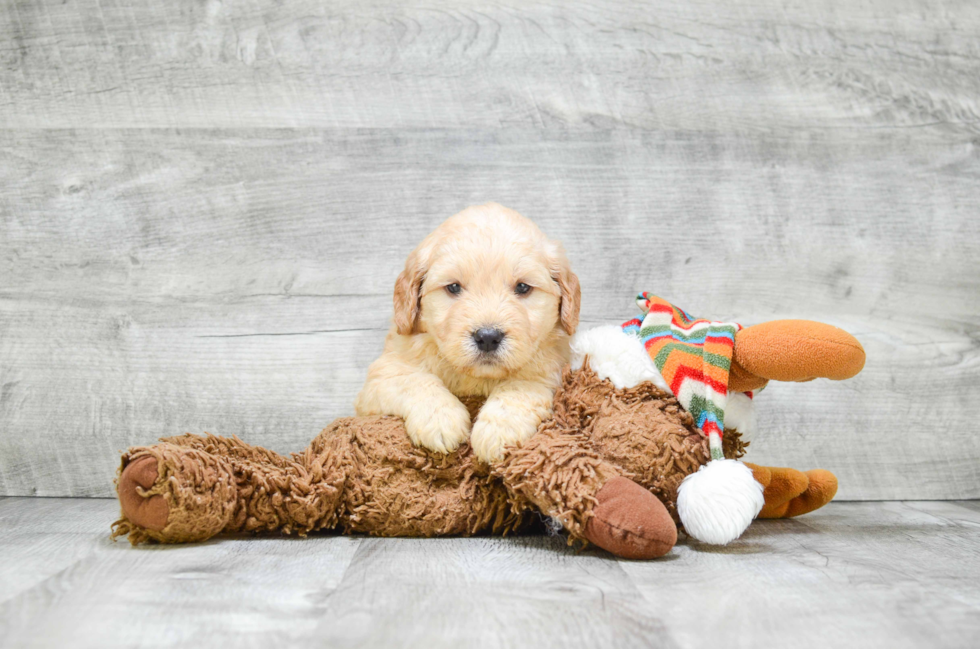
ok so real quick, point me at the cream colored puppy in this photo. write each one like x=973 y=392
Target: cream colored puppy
x=485 y=306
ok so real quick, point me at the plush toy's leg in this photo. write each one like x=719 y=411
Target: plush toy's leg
x=789 y=492
x=792 y=350
x=361 y=473
x=557 y=472
x=190 y=488
x=394 y=488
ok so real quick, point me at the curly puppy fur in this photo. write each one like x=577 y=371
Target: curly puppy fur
x=486 y=269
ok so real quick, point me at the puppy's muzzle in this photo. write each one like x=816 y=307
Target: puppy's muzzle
x=488 y=339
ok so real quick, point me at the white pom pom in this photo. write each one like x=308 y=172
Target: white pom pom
x=718 y=503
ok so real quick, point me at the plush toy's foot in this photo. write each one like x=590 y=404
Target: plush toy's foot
x=793 y=350
x=789 y=492
x=173 y=494
x=148 y=512
x=630 y=522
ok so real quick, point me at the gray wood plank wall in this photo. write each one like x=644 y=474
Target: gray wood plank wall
x=203 y=206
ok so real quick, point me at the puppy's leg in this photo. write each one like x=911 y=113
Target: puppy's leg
x=434 y=417
x=512 y=413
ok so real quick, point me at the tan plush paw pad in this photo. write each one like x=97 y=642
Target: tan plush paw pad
x=151 y=513
x=630 y=522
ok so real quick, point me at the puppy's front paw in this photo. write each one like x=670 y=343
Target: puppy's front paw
x=493 y=432
x=439 y=427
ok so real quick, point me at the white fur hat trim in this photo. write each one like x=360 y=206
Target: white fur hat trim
x=617 y=356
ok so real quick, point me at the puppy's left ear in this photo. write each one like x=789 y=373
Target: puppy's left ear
x=571 y=293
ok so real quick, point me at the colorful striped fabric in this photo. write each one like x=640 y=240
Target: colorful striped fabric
x=694 y=357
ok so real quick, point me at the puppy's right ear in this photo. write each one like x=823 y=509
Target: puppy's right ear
x=408 y=295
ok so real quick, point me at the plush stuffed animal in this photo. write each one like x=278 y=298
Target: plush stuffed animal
x=620 y=464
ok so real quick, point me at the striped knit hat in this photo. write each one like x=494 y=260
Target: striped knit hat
x=694 y=357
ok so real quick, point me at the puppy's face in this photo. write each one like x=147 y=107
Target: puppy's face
x=490 y=289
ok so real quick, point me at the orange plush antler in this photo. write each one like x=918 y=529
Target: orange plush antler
x=792 y=350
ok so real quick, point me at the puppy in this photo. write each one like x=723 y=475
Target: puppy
x=485 y=306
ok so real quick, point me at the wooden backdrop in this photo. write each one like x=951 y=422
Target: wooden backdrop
x=204 y=205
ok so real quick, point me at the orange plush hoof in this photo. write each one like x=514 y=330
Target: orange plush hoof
x=820 y=491
x=789 y=492
x=797 y=350
x=630 y=522
x=139 y=475
x=780 y=486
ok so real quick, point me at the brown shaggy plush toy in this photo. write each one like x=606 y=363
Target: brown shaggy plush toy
x=607 y=466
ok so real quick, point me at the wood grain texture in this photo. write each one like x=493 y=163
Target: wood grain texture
x=156 y=282
x=884 y=574
x=204 y=206
x=703 y=65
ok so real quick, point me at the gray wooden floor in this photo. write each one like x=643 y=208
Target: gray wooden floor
x=888 y=574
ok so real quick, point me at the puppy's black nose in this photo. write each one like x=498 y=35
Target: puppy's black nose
x=487 y=339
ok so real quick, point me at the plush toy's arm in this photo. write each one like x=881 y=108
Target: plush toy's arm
x=792 y=350
x=559 y=472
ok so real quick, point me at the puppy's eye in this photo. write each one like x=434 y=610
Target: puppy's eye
x=454 y=288
x=522 y=289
